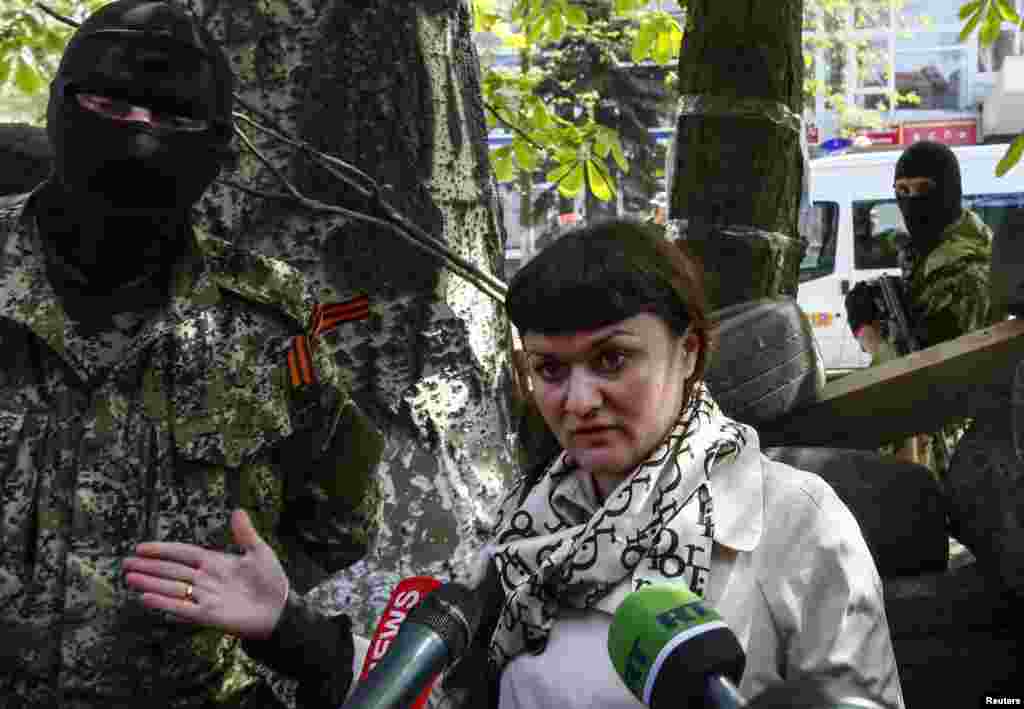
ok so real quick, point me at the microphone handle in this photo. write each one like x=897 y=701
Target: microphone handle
x=413 y=660
x=722 y=694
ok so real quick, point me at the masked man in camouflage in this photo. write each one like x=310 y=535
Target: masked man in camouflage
x=945 y=267
x=152 y=380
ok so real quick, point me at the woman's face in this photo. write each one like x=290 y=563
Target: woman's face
x=610 y=395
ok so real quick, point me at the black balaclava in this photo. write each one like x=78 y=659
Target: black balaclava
x=926 y=216
x=113 y=156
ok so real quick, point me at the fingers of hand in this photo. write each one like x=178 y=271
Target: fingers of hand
x=187 y=554
x=160 y=568
x=180 y=608
x=179 y=591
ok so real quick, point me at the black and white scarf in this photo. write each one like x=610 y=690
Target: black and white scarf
x=655 y=527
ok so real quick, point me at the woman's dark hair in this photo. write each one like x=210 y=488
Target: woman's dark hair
x=609 y=271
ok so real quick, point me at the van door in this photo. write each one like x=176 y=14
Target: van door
x=819 y=283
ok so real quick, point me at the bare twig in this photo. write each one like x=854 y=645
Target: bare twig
x=262 y=194
x=56 y=15
x=411 y=230
x=489 y=285
x=366 y=191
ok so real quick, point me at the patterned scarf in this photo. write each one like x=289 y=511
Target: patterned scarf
x=655 y=527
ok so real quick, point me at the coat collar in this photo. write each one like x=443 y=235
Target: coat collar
x=737 y=494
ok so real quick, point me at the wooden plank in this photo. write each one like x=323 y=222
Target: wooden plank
x=912 y=394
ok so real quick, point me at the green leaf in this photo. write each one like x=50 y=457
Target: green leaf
x=969 y=9
x=27 y=78
x=645 y=39
x=565 y=154
x=1012 y=156
x=540 y=118
x=573 y=182
x=536 y=29
x=556 y=25
x=576 y=16
x=970 y=26
x=663 y=48
x=526 y=154
x=504 y=171
x=990 y=32
x=1008 y=12
x=5 y=69
x=599 y=183
x=558 y=174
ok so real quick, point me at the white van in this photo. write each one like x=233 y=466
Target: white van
x=855 y=210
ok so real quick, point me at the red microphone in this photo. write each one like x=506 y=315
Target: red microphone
x=403 y=599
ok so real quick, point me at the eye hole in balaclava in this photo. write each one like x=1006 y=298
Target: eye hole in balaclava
x=927 y=215
x=140 y=111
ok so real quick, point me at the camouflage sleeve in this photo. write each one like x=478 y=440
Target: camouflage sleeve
x=314 y=649
x=333 y=498
x=329 y=520
x=952 y=300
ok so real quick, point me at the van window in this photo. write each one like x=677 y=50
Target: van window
x=877 y=230
x=997 y=210
x=878 y=225
x=820 y=258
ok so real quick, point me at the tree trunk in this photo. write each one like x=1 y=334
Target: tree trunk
x=738 y=162
x=392 y=88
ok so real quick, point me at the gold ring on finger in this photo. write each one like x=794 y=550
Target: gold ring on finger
x=189 y=595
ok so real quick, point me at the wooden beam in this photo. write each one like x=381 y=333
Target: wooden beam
x=909 y=395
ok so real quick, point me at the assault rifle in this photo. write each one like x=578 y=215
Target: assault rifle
x=899 y=324
x=903 y=337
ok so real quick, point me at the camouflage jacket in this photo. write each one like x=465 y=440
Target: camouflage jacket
x=948 y=290
x=200 y=413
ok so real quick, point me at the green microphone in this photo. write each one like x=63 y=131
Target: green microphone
x=672 y=650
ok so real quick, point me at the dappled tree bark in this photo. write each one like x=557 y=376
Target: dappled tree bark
x=25 y=157
x=393 y=89
x=736 y=171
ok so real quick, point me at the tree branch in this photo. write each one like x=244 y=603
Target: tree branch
x=486 y=283
x=56 y=15
x=514 y=128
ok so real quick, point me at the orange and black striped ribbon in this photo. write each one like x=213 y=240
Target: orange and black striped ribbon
x=324 y=319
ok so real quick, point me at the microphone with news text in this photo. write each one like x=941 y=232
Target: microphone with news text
x=673 y=651
x=400 y=667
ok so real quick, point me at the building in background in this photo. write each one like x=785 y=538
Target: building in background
x=968 y=95
x=914 y=47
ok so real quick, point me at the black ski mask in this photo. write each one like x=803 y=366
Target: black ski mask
x=140 y=112
x=927 y=215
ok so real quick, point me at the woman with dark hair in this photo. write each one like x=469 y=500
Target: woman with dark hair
x=652 y=484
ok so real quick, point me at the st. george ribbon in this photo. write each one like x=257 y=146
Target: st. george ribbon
x=400 y=668
x=673 y=651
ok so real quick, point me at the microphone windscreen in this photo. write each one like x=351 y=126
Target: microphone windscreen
x=664 y=642
x=407 y=594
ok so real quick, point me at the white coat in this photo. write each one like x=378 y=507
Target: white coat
x=791 y=575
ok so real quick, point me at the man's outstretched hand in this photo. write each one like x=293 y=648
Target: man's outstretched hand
x=243 y=595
